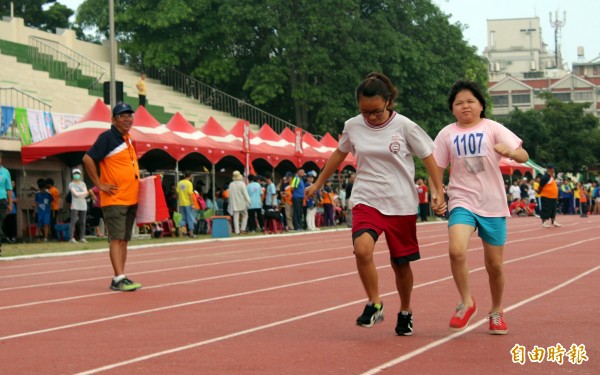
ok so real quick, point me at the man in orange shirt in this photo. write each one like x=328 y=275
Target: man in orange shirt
x=53 y=206
x=548 y=191
x=118 y=179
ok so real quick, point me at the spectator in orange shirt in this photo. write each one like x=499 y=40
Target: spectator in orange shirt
x=53 y=206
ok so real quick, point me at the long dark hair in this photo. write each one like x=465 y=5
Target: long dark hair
x=460 y=85
x=377 y=84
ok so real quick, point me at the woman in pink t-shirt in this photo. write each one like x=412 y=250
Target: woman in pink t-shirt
x=474 y=146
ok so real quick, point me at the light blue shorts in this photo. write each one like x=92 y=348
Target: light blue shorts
x=490 y=229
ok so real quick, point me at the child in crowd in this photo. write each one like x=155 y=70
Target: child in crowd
x=42 y=200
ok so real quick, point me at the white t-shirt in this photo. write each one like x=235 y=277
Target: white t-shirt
x=475 y=178
x=515 y=192
x=385 y=167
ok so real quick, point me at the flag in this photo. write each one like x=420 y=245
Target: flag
x=152 y=206
x=23 y=125
x=298 y=149
x=246 y=138
x=63 y=121
x=8 y=114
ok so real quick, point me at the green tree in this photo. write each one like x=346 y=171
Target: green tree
x=573 y=135
x=34 y=15
x=531 y=128
x=301 y=59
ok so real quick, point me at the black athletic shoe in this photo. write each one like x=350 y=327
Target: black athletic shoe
x=370 y=316
x=404 y=326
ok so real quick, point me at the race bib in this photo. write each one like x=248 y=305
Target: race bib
x=469 y=145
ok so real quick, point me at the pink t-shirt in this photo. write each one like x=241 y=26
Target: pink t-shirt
x=475 y=180
x=385 y=168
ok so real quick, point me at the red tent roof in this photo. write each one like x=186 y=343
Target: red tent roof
x=191 y=140
x=508 y=166
x=178 y=123
x=238 y=130
x=144 y=118
x=98 y=112
x=329 y=141
x=310 y=140
x=268 y=134
x=212 y=127
x=288 y=135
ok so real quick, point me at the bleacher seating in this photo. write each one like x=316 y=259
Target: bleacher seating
x=20 y=71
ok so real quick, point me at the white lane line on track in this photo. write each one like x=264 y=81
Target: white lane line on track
x=157 y=245
x=186 y=245
x=190 y=303
x=472 y=326
x=179 y=258
x=30 y=286
x=200 y=253
x=296 y=318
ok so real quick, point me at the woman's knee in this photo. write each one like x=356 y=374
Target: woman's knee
x=457 y=252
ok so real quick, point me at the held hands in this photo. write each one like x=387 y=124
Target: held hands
x=438 y=204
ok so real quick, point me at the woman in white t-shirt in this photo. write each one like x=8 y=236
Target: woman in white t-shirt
x=474 y=146
x=384 y=199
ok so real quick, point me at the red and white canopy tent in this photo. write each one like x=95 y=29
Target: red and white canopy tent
x=332 y=143
x=72 y=143
x=509 y=167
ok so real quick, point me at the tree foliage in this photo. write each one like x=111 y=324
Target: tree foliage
x=561 y=133
x=301 y=59
x=34 y=15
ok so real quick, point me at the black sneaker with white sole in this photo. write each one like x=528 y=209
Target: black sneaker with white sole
x=371 y=314
x=404 y=326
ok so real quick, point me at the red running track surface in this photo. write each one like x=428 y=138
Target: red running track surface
x=286 y=304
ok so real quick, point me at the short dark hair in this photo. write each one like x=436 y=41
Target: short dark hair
x=251 y=177
x=461 y=85
x=187 y=174
x=49 y=181
x=377 y=84
x=41 y=183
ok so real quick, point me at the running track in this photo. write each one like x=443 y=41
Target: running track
x=286 y=304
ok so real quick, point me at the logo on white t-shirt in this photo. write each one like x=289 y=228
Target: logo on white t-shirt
x=395 y=143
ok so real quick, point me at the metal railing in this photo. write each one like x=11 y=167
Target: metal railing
x=66 y=63
x=13 y=97
x=216 y=99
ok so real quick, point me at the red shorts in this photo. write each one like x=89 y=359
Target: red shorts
x=400 y=231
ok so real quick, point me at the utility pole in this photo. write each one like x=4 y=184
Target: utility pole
x=557 y=24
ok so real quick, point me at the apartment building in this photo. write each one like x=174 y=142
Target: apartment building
x=520 y=66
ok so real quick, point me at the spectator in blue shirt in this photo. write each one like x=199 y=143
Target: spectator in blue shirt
x=42 y=202
x=255 y=210
x=6 y=198
x=270 y=192
x=297 y=185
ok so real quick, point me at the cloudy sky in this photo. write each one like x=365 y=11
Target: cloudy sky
x=581 y=28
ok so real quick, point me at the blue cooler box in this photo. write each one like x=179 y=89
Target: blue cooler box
x=221 y=227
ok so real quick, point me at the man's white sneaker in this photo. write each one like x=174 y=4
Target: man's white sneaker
x=557 y=224
x=547 y=225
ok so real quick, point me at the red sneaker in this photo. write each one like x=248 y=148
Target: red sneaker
x=461 y=318
x=497 y=324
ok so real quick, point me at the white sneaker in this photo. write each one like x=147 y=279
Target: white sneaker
x=547 y=225
x=83 y=240
x=72 y=240
x=557 y=224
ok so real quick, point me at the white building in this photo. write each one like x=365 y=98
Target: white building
x=515 y=48
x=520 y=67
